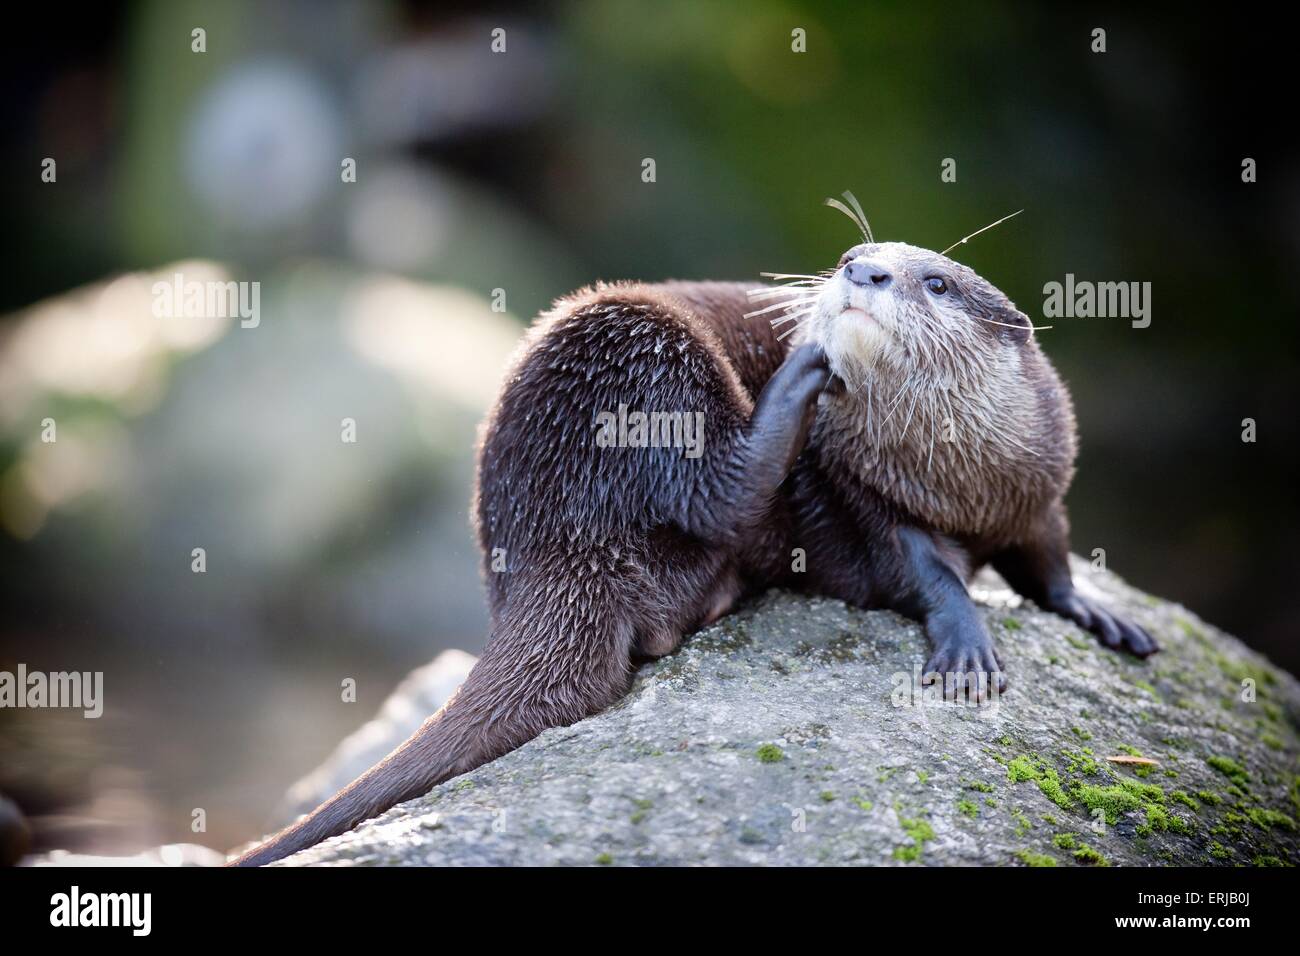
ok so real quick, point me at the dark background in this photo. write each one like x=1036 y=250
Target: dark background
x=522 y=171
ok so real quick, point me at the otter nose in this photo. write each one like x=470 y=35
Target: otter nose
x=867 y=274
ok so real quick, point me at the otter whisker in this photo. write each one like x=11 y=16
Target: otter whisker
x=789 y=275
x=798 y=317
x=1031 y=327
x=908 y=424
x=836 y=204
x=894 y=404
x=801 y=312
x=961 y=242
x=871 y=431
x=798 y=325
x=779 y=305
x=785 y=290
x=857 y=207
x=1006 y=437
x=855 y=214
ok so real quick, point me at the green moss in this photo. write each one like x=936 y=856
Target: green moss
x=1090 y=857
x=827 y=796
x=1267 y=861
x=1023 y=825
x=1077 y=642
x=1030 y=858
x=968 y=808
x=918 y=829
x=1026 y=767
x=1081 y=733
x=1179 y=796
x=920 y=833
x=1272 y=741
x=1239 y=671
x=1267 y=819
x=1050 y=784
x=979 y=786
x=1143 y=685
x=1213 y=799
x=863 y=803
x=464 y=785
x=1065 y=841
x=1230 y=769
x=1022 y=768
x=1218 y=851
x=604 y=859
x=1011 y=624
x=1232 y=823
x=990 y=802
x=770 y=753
x=637 y=817
x=1147 y=791
x=1050 y=820
x=922 y=776
x=1080 y=763
x=1129 y=749
x=1127 y=796
x=1160 y=819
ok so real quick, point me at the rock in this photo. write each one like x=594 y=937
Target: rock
x=791 y=733
x=419 y=694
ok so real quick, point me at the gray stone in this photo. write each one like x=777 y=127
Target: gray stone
x=792 y=733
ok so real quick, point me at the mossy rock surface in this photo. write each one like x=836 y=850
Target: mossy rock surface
x=789 y=733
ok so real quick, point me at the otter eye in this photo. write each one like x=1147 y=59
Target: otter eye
x=936 y=285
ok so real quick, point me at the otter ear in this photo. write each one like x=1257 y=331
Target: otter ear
x=1013 y=326
x=997 y=316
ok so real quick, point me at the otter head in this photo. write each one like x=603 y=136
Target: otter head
x=894 y=312
x=948 y=406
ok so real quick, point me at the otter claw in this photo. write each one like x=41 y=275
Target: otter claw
x=953 y=665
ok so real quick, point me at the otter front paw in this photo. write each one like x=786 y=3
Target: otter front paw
x=967 y=664
x=787 y=406
x=1110 y=629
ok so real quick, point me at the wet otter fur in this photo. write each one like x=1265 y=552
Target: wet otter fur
x=908 y=431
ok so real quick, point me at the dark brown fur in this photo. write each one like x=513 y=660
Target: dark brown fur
x=612 y=554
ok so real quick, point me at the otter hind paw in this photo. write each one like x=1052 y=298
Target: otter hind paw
x=1110 y=629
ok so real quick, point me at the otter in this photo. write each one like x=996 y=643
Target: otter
x=897 y=421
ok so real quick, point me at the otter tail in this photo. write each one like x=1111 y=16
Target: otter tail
x=520 y=687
